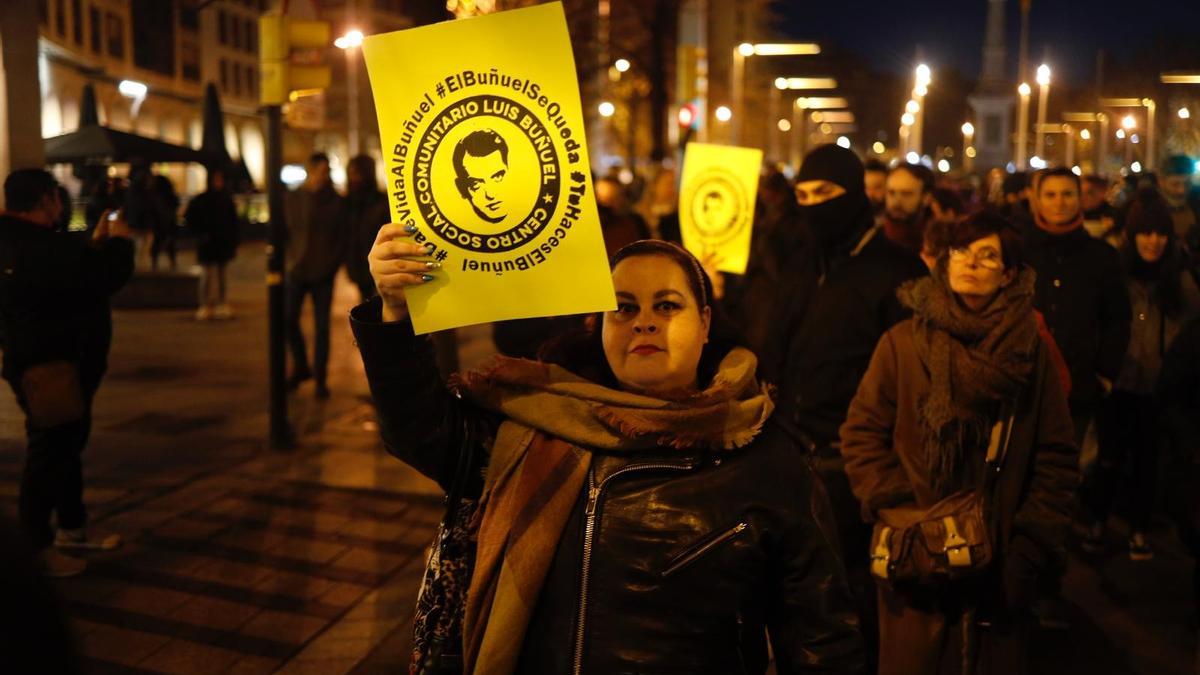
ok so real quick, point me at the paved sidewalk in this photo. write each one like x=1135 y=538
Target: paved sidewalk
x=238 y=559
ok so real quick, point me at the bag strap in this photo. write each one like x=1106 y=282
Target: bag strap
x=461 y=472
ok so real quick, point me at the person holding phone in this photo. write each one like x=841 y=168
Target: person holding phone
x=57 y=329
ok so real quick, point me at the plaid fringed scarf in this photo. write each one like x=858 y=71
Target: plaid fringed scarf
x=539 y=464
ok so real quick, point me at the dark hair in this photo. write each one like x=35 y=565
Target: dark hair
x=365 y=166
x=1057 y=172
x=582 y=351
x=949 y=200
x=986 y=223
x=918 y=171
x=1093 y=179
x=318 y=158
x=480 y=143
x=1148 y=212
x=874 y=165
x=1014 y=183
x=25 y=188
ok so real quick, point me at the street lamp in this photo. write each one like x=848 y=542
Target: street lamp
x=606 y=109
x=1184 y=113
x=1151 y=108
x=1128 y=124
x=968 y=132
x=1023 y=125
x=1043 y=80
x=622 y=65
x=724 y=114
x=737 y=74
x=907 y=119
x=349 y=43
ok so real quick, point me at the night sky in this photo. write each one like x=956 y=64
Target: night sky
x=1065 y=33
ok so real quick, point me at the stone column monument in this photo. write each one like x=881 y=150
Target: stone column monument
x=993 y=99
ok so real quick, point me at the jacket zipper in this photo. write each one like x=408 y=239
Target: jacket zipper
x=589 y=533
x=690 y=556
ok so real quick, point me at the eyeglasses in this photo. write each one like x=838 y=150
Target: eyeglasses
x=987 y=258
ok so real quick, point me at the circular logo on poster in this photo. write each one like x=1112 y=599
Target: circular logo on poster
x=717 y=202
x=486 y=174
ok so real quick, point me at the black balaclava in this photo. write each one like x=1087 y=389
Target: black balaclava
x=839 y=218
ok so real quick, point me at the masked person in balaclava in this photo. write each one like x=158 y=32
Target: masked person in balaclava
x=831 y=331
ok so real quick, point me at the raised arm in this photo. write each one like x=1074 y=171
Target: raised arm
x=422 y=422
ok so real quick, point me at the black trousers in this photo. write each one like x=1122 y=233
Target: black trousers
x=52 y=481
x=322 y=300
x=1127 y=430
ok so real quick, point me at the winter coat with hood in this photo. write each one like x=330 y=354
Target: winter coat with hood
x=841 y=301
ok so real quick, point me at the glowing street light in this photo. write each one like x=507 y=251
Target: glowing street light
x=1120 y=134
x=1184 y=113
x=784 y=125
x=843 y=142
x=877 y=147
x=907 y=119
x=622 y=65
x=968 y=132
x=781 y=83
x=1129 y=122
x=737 y=73
x=1085 y=134
x=924 y=76
x=912 y=107
x=352 y=39
x=606 y=109
x=723 y=114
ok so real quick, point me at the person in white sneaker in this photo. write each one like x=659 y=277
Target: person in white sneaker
x=57 y=329
x=212 y=215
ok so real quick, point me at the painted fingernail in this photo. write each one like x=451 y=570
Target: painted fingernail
x=430 y=247
x=433 y=265
x=410 y=228
x=426 y=277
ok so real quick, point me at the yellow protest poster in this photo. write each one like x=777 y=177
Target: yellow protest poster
x=716 y=202
x=483 y=140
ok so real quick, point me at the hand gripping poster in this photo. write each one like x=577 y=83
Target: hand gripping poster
x=716 y=203
x=483 y=140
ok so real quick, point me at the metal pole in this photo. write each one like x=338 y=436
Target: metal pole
x=280 y=431
x=797 y=130
x=1070 y=158
x=1151 y=155
x=1102 y=145
x=737 y=86
x=1039 y=147
x=1022 y=131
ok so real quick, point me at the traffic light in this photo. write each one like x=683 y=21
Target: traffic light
x=688 y=119
x=291 y=56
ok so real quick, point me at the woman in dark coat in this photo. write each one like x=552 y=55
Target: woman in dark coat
x=1164 y=297
x=212 y=215
x=640 y=512
x=920 y=426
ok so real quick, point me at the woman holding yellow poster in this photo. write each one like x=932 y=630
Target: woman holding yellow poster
x=637 y=508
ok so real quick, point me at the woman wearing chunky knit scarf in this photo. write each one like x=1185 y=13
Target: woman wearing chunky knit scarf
x=918 y=431
x=639 y=511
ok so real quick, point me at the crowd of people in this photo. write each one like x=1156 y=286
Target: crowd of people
x=871 y=449
x=866 y=448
